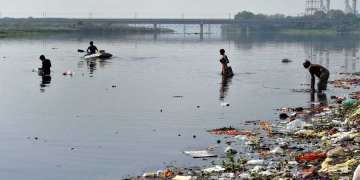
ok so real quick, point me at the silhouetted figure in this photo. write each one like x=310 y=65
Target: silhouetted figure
x=46 y=65
x=225 y=69
x=92 y=49
x=320 y=72
x=224 y=88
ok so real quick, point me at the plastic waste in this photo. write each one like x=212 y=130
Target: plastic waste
x=356 y=175
x=342 y=168
x=200 y=154
x=293 y=163
x=245 y=176
x=68 y=73
x=307 y=173
x=230 y=132
x=349 y=102
x=227 y=176
x=306 y=133
x=182 y=178
x=336 y=152
x=241 y=138
x=150 y=175
x=310 y=156
x=277 y=150
x=230 y=150
x=266 y=173
x=256 y=162
x=296 y=124
x=214 y=169
x=256 y=169
x=344 y=136
x=225 y=104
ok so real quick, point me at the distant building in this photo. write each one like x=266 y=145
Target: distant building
x=312 y=6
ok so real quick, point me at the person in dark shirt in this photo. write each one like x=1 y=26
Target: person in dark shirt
x=319 y=71
x=92 y=49
x=46 y=65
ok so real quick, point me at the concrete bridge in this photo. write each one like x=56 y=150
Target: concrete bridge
x=145 y=21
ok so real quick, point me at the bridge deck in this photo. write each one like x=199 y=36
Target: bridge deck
x=132 y=21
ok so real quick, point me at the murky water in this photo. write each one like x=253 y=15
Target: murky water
x=105 y=121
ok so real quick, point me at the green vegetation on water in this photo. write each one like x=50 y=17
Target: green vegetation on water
x=310 y=32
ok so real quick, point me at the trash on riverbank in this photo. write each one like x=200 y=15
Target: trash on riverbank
x=321 y=141
x=229 y=131
x=183 y=178
x=345 y=83
x=200 y=154
x=310 y=156
x=214 y=169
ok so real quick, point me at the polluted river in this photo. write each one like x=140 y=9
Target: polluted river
x=160 y=96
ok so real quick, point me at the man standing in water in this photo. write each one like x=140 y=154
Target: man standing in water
x=46 y=65
x=226 y=70
x=319 y=71
x=92 y=49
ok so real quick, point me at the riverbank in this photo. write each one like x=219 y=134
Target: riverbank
x=27 y=27
x=317 y=142
x=290 y=32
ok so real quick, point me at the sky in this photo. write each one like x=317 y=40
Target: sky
x=150 y=8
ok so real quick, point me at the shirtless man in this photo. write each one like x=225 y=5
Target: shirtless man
x=320 y=72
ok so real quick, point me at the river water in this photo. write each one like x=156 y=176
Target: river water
x=118 y=118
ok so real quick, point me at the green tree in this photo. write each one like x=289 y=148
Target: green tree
x=244 y=15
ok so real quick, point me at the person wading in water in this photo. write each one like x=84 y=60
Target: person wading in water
x=226 y=70
x=319 y=71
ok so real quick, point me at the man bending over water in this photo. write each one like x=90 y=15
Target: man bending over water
x=46 y=65
x=319 y=71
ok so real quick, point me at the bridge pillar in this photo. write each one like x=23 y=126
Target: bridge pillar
x=155 y=27
x=201 y=29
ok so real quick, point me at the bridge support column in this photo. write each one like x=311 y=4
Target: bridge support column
x=201 y=28
x=155 y=28
x=201 y=31
x=209 y=28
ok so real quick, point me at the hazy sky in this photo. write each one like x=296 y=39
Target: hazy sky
x=150 y=8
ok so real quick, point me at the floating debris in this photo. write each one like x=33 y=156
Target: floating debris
x=200 y=154
x=178 y=96
x=286 y=60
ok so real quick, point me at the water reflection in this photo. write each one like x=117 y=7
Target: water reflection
x=225 y=85
x=92 y=65
x=45 y=82
x=321 y=97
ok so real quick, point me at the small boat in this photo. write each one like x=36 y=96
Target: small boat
x=100 y=55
